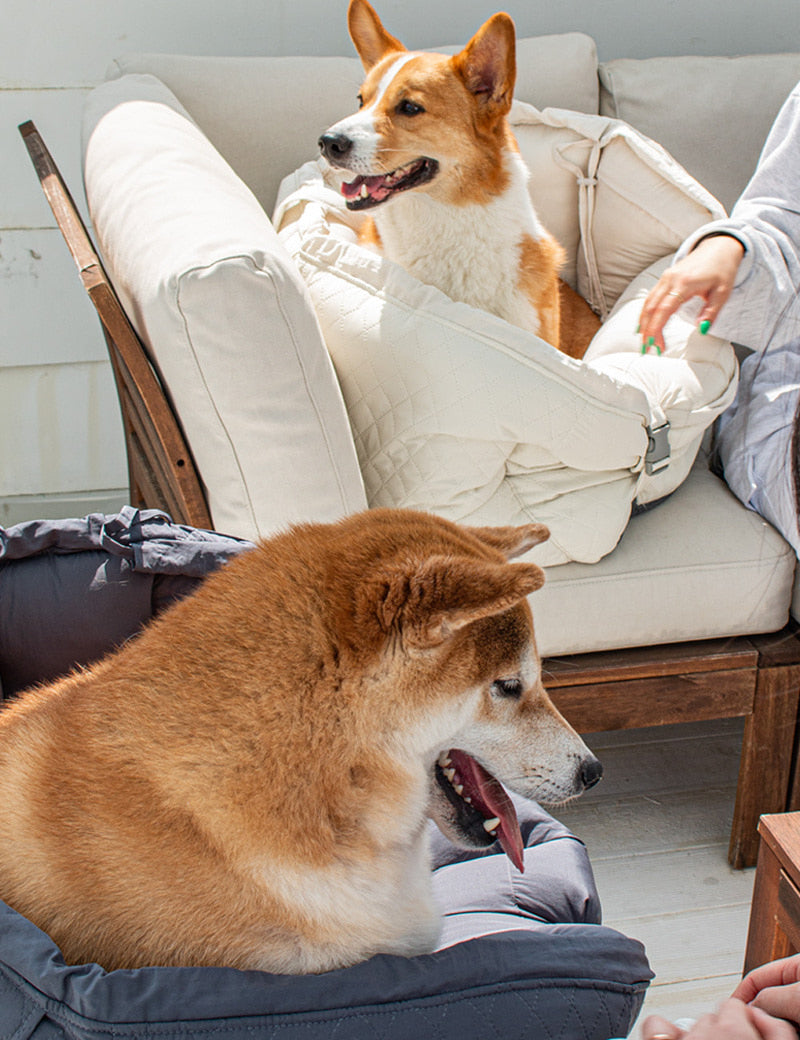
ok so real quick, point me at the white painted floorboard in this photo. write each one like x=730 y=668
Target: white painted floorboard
x=657 y=830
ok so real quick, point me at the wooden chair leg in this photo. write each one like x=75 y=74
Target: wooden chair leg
x=766 y=761
x=765 y=939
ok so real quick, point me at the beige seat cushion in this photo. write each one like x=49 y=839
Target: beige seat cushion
x=700 y=565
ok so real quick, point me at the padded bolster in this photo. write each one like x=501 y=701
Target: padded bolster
x=560 y=981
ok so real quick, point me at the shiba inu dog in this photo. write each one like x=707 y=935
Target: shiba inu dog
x=435 y=159
x=248 y=782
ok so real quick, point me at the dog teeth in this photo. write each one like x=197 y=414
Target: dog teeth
x=446 y=766
x=491 y=825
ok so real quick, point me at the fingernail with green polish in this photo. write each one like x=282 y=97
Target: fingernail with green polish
x=704 y=327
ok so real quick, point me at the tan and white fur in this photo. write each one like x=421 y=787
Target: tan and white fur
x=439 y=170
x=248 y=782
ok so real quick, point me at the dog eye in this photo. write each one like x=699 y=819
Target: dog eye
x=507 y=688
x=360 y=101
x=409 y=108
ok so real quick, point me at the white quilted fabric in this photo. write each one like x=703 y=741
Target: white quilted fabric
x=456 y=411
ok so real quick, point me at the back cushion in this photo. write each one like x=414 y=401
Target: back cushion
x=227 y=319
x=712 y=114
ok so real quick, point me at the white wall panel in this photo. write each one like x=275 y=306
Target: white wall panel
x=46 y=317
x=58 y=43
x=60 y=430
x=57 y=114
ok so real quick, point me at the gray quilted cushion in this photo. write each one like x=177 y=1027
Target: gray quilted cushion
x=523 y=956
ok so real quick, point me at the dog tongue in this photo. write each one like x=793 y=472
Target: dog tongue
x=489 y=798
x=375 y=186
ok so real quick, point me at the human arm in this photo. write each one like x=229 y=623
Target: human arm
x=763 y=305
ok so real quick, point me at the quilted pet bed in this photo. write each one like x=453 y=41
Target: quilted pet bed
x=534 y=979
x=455 y=410
x=521 y=954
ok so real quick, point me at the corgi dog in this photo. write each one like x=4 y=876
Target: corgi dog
x=436 y=164
x=248 y=781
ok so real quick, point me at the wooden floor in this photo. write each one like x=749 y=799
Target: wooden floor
x=657 y=830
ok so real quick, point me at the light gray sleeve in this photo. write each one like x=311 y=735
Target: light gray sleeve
x=764 y=307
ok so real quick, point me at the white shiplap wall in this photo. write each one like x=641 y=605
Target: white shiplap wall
x=61 y=450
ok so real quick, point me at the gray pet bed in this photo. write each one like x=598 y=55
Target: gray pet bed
x=524 y=955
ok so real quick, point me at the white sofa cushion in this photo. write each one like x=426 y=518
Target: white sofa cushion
x=457 y=411
x=265 y=114
x=220 y=305
x=691 y=104
x=698 y=566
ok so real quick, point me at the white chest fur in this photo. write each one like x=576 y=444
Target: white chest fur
x=472 y=251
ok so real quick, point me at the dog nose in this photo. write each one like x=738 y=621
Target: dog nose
x=335 y=147
x=591 y=772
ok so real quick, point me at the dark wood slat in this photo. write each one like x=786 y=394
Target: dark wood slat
x=657 y=701
x=649 y=661
x=162 y=473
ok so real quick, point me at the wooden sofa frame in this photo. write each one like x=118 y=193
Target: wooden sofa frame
x=754 y=677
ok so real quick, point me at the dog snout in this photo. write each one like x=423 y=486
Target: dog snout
x=335 y=147
x=591 y=772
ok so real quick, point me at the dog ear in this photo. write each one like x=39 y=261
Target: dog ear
x=430 y=601
x=488 y=64
x=371 y=40
x=512 y=541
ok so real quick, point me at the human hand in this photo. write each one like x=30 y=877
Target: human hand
x=774 y=988
x=709 y=271
x=734 y=1021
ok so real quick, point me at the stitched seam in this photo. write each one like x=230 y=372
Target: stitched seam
x=293 y=1020
x=312 y=397
x=317 y=263
x=201 y=375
